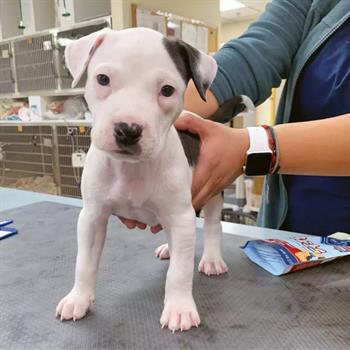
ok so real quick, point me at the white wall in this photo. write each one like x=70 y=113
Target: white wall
x=207 y=11
x=232 y=30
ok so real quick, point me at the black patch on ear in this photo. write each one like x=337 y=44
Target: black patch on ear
x=186 y=59
x=191 y=144
x=228 y=110
x=179 y=55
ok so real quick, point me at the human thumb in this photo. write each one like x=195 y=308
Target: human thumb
x=191 y=122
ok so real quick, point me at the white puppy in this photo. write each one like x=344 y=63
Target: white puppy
x=136 y=166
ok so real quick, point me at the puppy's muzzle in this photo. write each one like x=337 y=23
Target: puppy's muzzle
x=127 y=137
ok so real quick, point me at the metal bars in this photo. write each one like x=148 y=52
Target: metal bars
x=7 y=84
x=33 y=152
x=34 y=64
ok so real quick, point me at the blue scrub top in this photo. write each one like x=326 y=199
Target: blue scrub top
x=321 y=205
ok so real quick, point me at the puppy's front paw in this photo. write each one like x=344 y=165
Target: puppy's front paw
x=162 y=252
x=215 y=266
x=74 y=306
x=180 y=314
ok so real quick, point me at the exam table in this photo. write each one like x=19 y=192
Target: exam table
x=247 y=308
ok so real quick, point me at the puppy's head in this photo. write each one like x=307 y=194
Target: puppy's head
x=135 y=86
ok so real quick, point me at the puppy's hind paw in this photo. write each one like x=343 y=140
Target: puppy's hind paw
x=212 y=266
x=162 y=252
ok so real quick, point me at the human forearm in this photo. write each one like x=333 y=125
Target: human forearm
x=195 y=104
x=252 y=64
x=311 y=148
x=257 y=61
x=319 y=147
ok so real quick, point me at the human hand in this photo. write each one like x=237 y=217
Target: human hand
x=221 y=156
x=131 y=224
x=220 y=161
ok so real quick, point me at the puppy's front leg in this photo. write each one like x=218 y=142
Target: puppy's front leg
x=92 y=226
x=180 y=311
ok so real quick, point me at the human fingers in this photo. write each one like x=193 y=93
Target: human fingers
x=156 y=229
x=207 y=191
x=201 y=173
x=140 y=225
x=192 y=123
x=215 y=184
x=130 y=224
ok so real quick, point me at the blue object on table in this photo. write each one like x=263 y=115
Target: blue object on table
x=6 y=231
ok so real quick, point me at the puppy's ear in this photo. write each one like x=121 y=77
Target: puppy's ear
x=192 y=64
x=78 y=53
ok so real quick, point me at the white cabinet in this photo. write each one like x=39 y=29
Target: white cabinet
x=76 y=11
x=9 y=19
x=37 y=15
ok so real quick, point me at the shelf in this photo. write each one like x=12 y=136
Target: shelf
x=68 y=122
x=51 y=93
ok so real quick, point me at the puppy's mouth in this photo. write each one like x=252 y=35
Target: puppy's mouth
x=124 y=152
x=132 y=151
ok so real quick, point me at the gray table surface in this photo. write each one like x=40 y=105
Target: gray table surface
x=244 y=309
x=11 y=198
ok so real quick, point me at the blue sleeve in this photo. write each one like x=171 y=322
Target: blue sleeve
x=259 y=59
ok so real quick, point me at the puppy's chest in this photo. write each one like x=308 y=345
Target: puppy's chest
x=133 y=197
x=131 y=193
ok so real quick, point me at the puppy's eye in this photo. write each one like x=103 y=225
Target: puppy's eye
x=167 y=90
x=103 y=79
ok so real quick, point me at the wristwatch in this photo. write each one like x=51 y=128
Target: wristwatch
x=259 y=155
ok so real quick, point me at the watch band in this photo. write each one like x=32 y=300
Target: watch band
x=258 y=139
x=259 y=154
x=273 y=144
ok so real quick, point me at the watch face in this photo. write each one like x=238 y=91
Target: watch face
x=258 y=164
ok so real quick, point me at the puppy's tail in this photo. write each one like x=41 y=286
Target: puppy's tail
x=236 y=105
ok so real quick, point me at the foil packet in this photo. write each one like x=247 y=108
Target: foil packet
x=281 y=256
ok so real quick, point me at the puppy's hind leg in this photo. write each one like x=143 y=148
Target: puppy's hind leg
x=211 y=262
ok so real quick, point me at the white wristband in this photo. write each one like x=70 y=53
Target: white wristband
x=259 y=142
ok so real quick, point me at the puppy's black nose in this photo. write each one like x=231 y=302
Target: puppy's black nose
x=127 y=134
